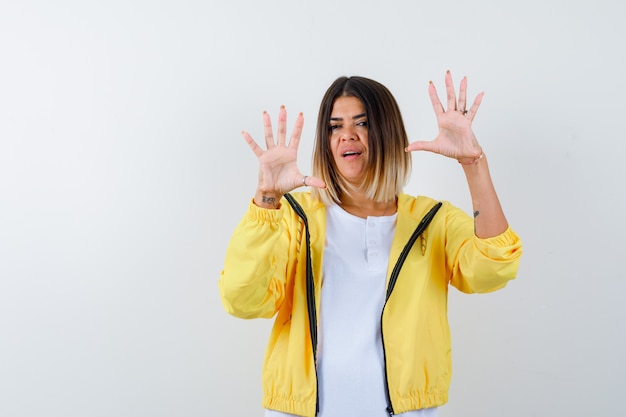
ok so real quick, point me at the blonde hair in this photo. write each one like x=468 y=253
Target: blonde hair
x=389 y=164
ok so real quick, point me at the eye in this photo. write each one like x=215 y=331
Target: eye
x=362 y=123
x=333 y=127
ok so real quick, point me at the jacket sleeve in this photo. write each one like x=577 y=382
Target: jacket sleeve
x=252 y=283
x=479 y=265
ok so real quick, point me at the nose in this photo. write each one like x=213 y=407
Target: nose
x=347 y=133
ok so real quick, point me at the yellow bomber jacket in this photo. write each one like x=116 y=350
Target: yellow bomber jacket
x=264 y=275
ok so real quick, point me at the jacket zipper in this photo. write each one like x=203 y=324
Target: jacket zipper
x=392 y=283
x=389 y=408
x=310 y=293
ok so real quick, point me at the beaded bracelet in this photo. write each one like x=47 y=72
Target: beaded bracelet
x=472 y=162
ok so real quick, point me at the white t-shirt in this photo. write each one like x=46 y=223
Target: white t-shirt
x=350 y=363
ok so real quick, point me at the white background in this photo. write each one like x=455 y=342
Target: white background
x=123 y=174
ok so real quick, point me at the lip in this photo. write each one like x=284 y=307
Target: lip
x=351 y=153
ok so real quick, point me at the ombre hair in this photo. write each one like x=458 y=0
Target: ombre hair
x=389 y=164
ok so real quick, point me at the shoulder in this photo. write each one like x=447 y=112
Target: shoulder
x=416 y=206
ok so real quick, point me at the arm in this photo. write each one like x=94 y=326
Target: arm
x=489 y=219
x=457 y=140
x=252 y=283
x=478 y=265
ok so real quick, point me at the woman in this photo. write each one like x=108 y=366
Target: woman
x=355 y=271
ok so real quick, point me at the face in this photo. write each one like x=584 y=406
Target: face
x=348 y=138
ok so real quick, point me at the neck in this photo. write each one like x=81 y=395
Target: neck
x=361 y=206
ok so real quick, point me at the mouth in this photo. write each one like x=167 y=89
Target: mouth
x=348 y=154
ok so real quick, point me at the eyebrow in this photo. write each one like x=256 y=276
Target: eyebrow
x=339 y=119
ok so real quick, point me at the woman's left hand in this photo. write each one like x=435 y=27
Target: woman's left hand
x=456 y=138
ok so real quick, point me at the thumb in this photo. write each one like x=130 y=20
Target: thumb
x=422 y=145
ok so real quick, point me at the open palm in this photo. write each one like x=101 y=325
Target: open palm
x=455 y=138
x=278 y=169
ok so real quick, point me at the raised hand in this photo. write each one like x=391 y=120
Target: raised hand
x=278 y=170
x=456 y=138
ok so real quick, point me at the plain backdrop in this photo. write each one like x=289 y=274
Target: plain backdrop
x=123 y=174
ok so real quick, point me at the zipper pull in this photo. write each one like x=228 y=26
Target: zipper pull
x=390 y=411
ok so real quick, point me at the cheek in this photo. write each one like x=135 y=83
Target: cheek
x=364 y=137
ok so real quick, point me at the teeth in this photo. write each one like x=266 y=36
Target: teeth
x=350 y=153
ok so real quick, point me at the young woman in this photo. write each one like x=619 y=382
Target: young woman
x=355 y=271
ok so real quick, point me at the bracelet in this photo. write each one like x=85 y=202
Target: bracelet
x=472 y=162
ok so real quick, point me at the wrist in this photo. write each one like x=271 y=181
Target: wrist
x=267 y=199
x=471 y=161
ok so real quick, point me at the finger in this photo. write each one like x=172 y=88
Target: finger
x=474 y=109
x=267 y=128
x=297 y=132
x=253 y=145
x=421 y=145
x=311 y=182
x=434 y=99
x=463 y=95
x=450 y=92
x=282 y=126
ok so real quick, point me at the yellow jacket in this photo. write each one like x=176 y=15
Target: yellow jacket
x=264 y=274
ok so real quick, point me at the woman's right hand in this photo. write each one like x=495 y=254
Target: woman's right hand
x=278 y=170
